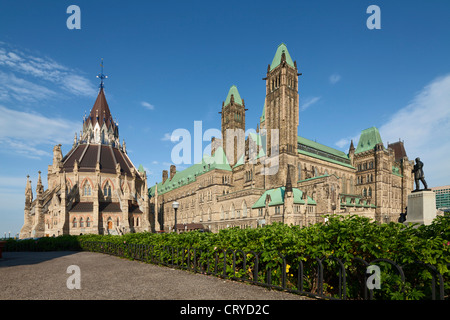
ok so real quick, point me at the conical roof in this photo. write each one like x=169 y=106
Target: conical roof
x=100 y=111
x=277 y=58
x=237 y=98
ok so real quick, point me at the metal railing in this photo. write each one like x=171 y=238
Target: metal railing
x=326 y=278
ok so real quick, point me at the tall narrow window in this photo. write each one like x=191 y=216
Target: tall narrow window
x=107 y=190
x=87 y=189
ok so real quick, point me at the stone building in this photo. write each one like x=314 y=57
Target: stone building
x=94 y=188
x=256 y=178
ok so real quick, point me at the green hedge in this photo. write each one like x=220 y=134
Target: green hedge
x=343 y=237
x=346 y=238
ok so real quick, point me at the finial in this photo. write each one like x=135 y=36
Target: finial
x=101 y=76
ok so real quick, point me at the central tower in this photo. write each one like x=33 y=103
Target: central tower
x=281 y=103
x=233 y=125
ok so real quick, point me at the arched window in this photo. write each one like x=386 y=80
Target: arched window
x=137 y=221
x=365 y=192
x=232 y=211
x=107 y=189
x=88 y=222
x=81 y=222
x=74 y=222
x=244 y=209
x=370 y=192
x=87 y=189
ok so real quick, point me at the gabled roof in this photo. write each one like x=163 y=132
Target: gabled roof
x=399 y=150
x=319 y=151
x=277 y=58
x=368 y=139
x=237 y=98
x=217 y=161
x=277 y=198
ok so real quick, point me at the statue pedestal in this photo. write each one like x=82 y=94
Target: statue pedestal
x=421 y=207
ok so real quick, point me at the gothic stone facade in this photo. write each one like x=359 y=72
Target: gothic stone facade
x=241 y=186
x=94 y=188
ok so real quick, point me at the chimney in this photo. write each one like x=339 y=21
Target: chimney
x=173 y=170
x=164 y=176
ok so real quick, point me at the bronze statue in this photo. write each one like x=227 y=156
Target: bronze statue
x=403 y=215
x=419 y=175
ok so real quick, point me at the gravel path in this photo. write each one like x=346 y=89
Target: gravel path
x=43 y=275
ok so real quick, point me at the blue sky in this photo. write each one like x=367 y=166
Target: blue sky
x=172 y=63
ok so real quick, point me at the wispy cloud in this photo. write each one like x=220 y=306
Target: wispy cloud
x=334 y=78
x=424 y=125
x=147 y=105
x=308 y=102
x=345 y=142
x=44 y=69
x=14 y=88
x=22 y=132
x=171 y=137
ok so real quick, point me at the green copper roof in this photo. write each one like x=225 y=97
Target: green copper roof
x=277 y=58
x=321 y=147
x=277 y=198
x=368 y=139
x=141 y=168
x=237 y=98
x=263 y=116
x=217 y=161
x=323 y=152
x=357 y=203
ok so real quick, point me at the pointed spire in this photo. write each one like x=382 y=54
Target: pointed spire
x=233 y=96
x=278 y=58
x=39 y=186
x=101 y=76
x=352 y=147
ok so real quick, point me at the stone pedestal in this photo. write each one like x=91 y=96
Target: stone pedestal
x=421 y=207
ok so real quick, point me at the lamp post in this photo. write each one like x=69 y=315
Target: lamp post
x=175 y=206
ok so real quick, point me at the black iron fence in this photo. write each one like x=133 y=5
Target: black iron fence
x=327 y=278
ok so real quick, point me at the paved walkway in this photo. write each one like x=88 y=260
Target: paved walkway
x=43 y=275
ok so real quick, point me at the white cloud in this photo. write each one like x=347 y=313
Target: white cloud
x=14 y=88
x=334 y=78
x=170 y=137
x=22 y=132
x=45 y=69
x=306 y=103
x=148 y=105
x=424 y=125
x=344 y=143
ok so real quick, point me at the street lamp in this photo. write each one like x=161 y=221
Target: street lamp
x=175 y=206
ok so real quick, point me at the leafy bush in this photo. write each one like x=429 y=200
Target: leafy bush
x=280 y=249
